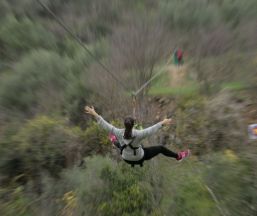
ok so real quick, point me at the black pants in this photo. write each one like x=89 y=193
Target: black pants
x=153 y=151
x=150 y=152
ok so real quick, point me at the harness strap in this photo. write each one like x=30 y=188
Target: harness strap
x=130 y=145
x=134 y=148
x=122 y=148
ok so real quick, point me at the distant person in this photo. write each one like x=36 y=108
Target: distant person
x=128 y=140
x=178 y=56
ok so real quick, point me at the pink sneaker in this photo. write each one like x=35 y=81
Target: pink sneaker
x=183 y=154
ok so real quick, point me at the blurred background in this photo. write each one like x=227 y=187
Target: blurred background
x=55 y=160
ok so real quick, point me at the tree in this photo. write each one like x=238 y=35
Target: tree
x=38 y=83
x=135 y=49
x=210 y=43
x=20 y=36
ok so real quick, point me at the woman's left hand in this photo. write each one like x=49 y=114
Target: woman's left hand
x=91 y=111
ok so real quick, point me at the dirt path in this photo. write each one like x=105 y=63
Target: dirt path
x=177 y=75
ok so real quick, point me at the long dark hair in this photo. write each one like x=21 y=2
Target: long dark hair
x=128 y=123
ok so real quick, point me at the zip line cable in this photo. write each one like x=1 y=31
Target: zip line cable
x=67 y=29
x=135 y=93
x=151 y=79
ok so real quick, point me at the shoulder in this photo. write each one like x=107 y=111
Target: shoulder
x=120 y=131
x=135 y=132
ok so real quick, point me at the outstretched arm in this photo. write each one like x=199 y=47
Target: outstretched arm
x=153 y=129
x=104 y=124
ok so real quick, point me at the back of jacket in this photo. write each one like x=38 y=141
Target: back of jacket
x=128 y=153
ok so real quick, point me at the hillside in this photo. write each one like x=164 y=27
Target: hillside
x=56 y=57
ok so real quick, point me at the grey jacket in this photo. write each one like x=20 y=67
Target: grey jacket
x=128 y=153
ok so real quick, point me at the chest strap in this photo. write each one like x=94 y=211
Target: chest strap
x=130 y=145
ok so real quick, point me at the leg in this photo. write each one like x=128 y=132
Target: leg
x=151 y=152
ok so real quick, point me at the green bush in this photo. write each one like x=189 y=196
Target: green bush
x=210 y=125
x=19 y=36
x=78 y=93
x=25 y=7
x=193 y=199
x=187 y=14
x=82 y=185
x=46 y=143
x=231 y=179
x=191 y=122
x=107 y=188
x=126 y=193
x=39 y=81
x=14 y=201
x=235 y=11
x=41 y=145
x=4 y=8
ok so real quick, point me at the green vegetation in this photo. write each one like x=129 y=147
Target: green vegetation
x=20 y=36
x=55 y=160
x=183 y=90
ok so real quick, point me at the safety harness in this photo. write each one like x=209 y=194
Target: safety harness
x=130 y=145
x=132 y=163
x=115 y=141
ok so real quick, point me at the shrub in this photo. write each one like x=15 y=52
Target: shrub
x=19 y=36
x=107 y=188
x=41 y=145
x=231 y=178
x=126 y=193
x=210 y=125
x=187 y=15
x=13 y=201
x=39 y=81
x=78 y=91
x=46 y=143
x=191 y=123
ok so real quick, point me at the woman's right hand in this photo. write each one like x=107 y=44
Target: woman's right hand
x=167 y=121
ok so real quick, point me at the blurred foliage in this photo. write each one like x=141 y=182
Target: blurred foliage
x=70 y=201
x=47 y=144
x=187 y=14
x=14 y=201
x=38 y=81
x=19 y=36
x=197 y=202
x=104 y=187
x=42 y=144
x=55 y=161
x=208 y=125
x=121 y=186
x=234 y=183
x=4 y=8
x=191 y=123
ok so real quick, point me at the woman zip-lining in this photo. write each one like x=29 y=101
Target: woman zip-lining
x=128 y=140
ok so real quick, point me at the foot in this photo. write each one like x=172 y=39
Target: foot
x=183 y=154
